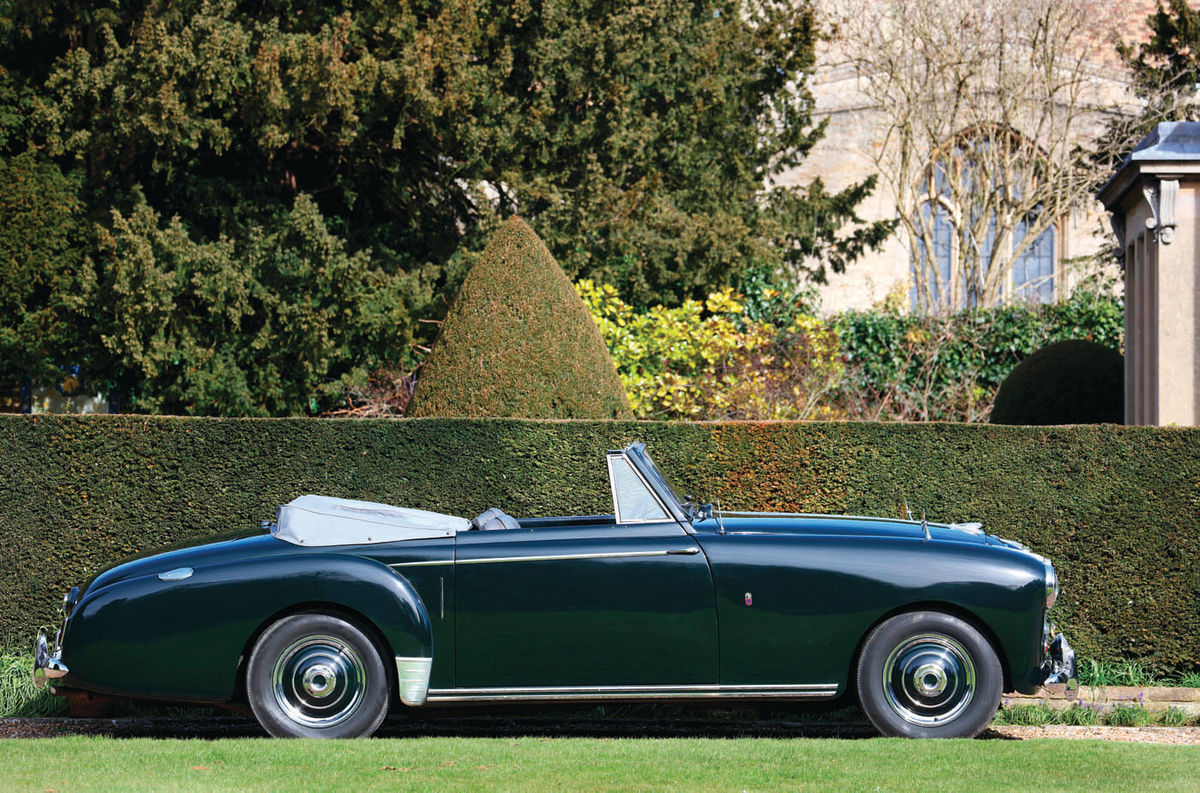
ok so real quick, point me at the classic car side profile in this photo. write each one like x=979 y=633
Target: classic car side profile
x=341 y=609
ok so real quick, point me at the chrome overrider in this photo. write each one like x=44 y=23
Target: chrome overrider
x=47 y=665
x=1058 y=659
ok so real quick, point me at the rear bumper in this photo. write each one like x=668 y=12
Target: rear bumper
x=1058 y=661
x=47 y=665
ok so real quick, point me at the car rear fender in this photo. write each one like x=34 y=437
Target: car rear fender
x=182 y=638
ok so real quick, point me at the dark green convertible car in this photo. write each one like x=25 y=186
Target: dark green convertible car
x=342 y=609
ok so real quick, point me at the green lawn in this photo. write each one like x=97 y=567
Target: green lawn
x=568 y=764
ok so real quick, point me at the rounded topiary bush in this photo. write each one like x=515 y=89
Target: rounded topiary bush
x=1067 y=382
x=518 y=342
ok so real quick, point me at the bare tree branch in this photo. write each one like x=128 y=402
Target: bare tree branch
x=989 y=112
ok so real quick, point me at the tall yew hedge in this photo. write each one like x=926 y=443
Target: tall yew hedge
x=1117 y=508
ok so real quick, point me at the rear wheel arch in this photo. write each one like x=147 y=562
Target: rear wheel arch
x=354 y=617
x=317 y=674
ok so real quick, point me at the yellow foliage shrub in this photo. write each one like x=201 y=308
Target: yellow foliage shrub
x=711 y=361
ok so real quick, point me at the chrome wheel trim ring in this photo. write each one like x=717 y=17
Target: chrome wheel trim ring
x=319 y=681
x=929 y=679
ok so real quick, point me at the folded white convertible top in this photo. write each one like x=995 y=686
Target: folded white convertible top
x=320 y=520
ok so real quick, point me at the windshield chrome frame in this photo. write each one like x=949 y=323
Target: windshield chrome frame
x=648 y=472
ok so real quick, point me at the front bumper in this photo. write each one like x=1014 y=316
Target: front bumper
x=1058 y=660
x=47 y=665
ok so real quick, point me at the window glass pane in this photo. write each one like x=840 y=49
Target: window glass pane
x=965 y=250
x=634 y=499
x=1033 y=270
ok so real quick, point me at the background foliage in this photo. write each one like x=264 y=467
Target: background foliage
x=1116 y=508
x=351 y=156
x=905 y=367
x=761 y=354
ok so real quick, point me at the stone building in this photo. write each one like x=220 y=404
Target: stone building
x=855 y=139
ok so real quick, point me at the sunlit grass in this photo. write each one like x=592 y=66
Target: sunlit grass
x=558 y=764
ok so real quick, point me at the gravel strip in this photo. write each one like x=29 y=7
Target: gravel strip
x=493 y=727
x=1174 y=735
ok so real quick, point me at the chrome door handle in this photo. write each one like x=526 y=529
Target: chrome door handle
x=683 y=551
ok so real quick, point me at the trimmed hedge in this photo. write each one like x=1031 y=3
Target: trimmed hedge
x=1117 y=508
x=1073 y=381
x=519 y=342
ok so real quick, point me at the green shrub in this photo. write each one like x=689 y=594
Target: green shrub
x=1101 y=672
x=1116 y=508
x=901 y=366
x=1067 y=382
x=1035 y=714
x=519 y=342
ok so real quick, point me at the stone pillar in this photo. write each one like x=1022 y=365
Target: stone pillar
x=1155 y=203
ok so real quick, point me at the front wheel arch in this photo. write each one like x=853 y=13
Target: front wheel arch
x=932 y=605
x=928 y=674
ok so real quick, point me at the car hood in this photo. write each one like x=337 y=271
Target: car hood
x=845 y=526
x=196 y=552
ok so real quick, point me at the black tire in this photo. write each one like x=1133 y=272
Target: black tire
x=316 y=676
x=928 y=675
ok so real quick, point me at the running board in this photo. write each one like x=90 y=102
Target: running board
x=594 y=693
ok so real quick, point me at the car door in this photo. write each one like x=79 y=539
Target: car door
x=602 y=601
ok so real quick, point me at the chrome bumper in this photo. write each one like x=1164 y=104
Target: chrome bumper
x=1058 y=663
x=47 y=665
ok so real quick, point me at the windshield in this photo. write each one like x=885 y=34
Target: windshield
x=660 y=481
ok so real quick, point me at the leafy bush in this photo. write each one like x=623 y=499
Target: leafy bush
x=763 y=354
x=1067 y=382
x=275 y=326
x=518 y=342
x=718 y=360
x=912 y=368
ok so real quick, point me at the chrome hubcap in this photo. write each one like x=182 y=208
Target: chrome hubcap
x=929 y=679
x=319 y=681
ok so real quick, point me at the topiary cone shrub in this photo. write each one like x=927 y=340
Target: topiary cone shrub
x=1068 y=382
x=519 y=343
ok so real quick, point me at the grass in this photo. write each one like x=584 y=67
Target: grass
x=18 y=695
x=1094 y=672
x=1083 y=715
x=555 y=764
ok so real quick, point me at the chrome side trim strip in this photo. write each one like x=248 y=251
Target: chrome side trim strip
x=433 y=563
x=555 y=557
x=412 y=678
x=778 y=691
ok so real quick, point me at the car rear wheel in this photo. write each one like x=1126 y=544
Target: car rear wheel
x=316 y=676
x=928 y=675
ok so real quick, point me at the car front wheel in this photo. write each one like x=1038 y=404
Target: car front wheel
x=316 y=676
x=928 y=675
